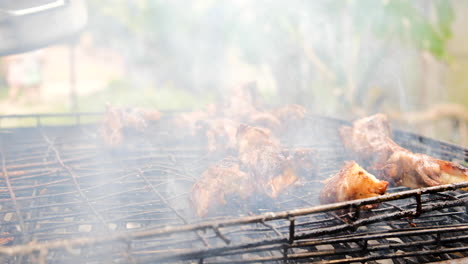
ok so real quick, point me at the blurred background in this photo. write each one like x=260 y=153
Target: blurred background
x=346 y=59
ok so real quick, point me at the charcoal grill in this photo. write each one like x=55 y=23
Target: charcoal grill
x=65 y=198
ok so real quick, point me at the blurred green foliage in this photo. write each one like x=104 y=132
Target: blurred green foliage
x=3 y=92
x=330 y=54
x=410 y=21
x=121 y=92
x=170 y=37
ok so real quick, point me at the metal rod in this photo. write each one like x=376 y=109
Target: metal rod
x=72 y=72
x=12 y=193
x=75 y=181
x=291 y=229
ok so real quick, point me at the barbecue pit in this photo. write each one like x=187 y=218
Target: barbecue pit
x=66 y=198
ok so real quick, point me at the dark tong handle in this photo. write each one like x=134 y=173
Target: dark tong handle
x=37 y=9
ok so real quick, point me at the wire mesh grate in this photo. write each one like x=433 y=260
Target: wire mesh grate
x=65 y=198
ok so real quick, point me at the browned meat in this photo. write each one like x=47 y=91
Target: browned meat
x=370 y=139
x=187 y=121
x=218 y=181
x=241 y=102
x=118 y=118
x=266 y=168
x=220 y=133
x=265 y=119
x=112 y=127
x=280 y=182
x=414 y=170
x=303 y=160
x=350 y=183
x=279 y=119
x=289 y=113
x=262 y=155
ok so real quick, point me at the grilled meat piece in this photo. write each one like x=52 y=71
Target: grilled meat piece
x=418 y=170
x=118 y=118
x=112 y=127
x=265 y=119
x=304 y=160
x=281 y=182
x=218 y=181
x=220 y=133
x=262 y=155
x=279 y=119
x=241 y=102
x=370 y=139
x=350 y=183
x=289 y=113
x=188 y=122
x=266 y=168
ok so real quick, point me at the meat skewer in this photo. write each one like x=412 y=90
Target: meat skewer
x=370 y=139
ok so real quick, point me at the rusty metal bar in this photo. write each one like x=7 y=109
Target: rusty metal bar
x=291 y=229
x=389 y=256
x=418 y=204
x=29 y=248
x=266 y=217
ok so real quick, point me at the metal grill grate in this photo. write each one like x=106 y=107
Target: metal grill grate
x=65 y=199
